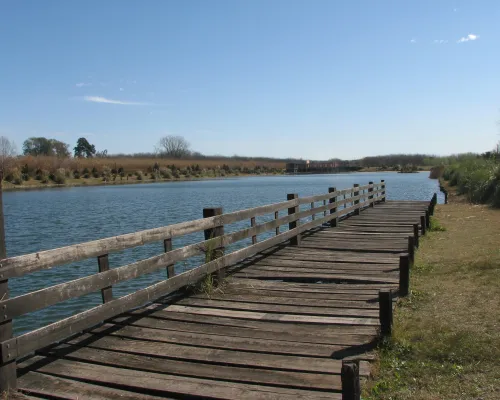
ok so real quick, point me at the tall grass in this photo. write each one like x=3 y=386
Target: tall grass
x=478 y=179
x=109 y=168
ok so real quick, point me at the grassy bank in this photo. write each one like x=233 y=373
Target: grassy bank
x=446 y=343
x=35 y=184
x=38 y=172
x=478 y=179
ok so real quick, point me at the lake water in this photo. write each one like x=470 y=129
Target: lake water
x=51 y=218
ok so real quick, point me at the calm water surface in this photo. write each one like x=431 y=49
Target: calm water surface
x=46 y=219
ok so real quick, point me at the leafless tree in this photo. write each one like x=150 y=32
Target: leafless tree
x=173 y=146
x=7 y=153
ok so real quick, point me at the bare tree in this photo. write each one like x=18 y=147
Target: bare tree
x=7 y=153
x=173 y=146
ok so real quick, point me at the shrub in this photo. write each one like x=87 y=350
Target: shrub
x=42 y=175
x=139 y=175
x=478 y=179
x=166 y=173
x=59 y=176
x=15 y=177
x=106 y=173
x=95 y=173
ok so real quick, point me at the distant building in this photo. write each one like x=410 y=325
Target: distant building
x=319 y=167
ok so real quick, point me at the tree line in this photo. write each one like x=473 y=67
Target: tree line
x=41 y=146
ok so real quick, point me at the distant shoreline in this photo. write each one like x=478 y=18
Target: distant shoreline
x=9 y=187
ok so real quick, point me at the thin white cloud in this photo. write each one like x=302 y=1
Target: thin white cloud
x=455 y=9
x=121 y=89
x=413 y=41
x=440 y=41
x=82 y=84
x=468 y=38
x=99 y=99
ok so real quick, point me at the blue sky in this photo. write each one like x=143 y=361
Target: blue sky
x=311 y=79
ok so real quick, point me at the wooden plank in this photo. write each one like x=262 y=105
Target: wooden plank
x=309 y=287
x=206 y=340
x=310 y=269
x=318 y=265
x=340 y=295
x=47 y=386
x=342 y=338
x=281 y=300
x=312 y=277
x=344 y=257
x=168 y=385
x=274 y=317
x=154 y=362
x=329 y=332
x=279 y=308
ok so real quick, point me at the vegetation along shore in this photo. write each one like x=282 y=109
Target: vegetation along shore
x=49 y=163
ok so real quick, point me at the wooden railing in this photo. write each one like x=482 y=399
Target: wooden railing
x=332 y=206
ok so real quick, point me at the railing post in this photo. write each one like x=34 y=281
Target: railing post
x=434 y=202
x=423 y=224
x=404 y=275
x=313 y=216
x=276 y=216
x=167 y=245
x=411 y=249
x=107 y=292
x=252 y=224
x=385 y=312
x=356 y=202
x=427 y=219
x=334 y=221
x=295 y=240
x=383 y=190
x=212 y=233
x=324 y=212
x=349 y=375
x=370 y=197
x=416 y=235
x=8 y=374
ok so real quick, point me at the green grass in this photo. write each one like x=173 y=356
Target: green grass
x=436 y=226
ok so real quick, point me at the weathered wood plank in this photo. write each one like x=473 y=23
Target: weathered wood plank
x=47 y=386
x=168 y=385
x=154 y=362
x=274 y=317
x=280 y=300
x=342 y=338
x=330 y=331
x=131 y=333
x=279 y=308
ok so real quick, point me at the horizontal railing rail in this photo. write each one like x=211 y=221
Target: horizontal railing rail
x=352 y=200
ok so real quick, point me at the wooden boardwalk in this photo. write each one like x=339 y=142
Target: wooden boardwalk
x=278 y=329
